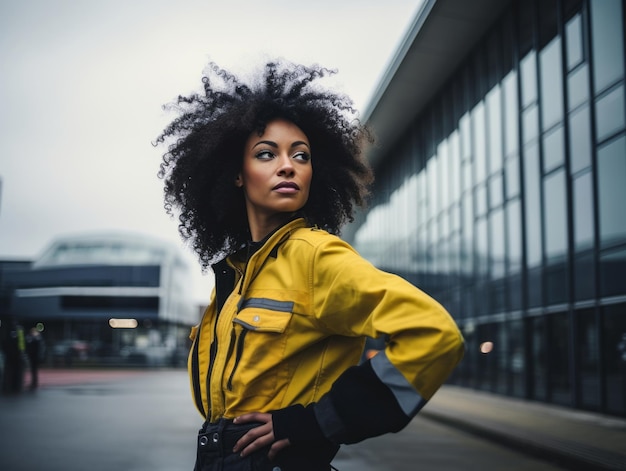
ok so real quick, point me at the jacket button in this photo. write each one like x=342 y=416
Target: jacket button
x=203 y=441
x=256 y=318
x=216 y=437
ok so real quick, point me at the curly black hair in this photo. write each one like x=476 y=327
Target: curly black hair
x=206 y=149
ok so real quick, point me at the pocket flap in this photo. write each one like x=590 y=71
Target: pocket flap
x=263 y=320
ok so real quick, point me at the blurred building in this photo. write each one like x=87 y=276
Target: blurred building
x=501 y=190
x=106 y=297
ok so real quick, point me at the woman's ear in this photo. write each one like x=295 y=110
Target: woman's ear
x=238 y=180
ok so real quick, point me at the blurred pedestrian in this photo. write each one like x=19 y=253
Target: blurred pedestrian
x=34 y=352
x=262 y=176
x=13 y=345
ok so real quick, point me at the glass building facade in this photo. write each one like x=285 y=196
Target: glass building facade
x=504 y=197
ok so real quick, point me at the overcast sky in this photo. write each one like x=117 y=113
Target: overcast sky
x=83 y=83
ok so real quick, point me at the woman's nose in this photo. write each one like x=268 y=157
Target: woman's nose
x=285 y=165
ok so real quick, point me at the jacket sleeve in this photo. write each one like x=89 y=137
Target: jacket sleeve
x=352 y=297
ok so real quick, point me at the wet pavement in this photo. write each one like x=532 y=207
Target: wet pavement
x=144 y=420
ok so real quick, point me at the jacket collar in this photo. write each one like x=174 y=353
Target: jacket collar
x=251 y=261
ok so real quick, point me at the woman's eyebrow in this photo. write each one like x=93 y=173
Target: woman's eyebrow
x=269 y=143
x=273 y=144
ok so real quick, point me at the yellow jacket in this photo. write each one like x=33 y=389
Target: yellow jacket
x=292 y=322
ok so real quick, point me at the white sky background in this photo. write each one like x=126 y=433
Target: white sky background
x=82 y=85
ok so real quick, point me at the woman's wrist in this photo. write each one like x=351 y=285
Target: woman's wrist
x=298 y=424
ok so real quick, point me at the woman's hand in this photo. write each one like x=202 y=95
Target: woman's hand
x=260 y=436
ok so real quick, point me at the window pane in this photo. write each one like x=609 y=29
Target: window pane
x=530 y=121
x=511 y=112
x=551 y=84
x=481 y=200
x=589 y=349
x=467 y=241
x=514 y=235
x=612 y=191
x=495 y=191
x=512 y=176
x=574 y=35
x=607 y=40
x=518 y=357
x=559 y=357
x=584 y=276
x=583 y=212
x=614 y=346
x=555 y=221
x=610 y=114
x=532 y=205
x=578 y=89
x=613 y=273
x=553 y=149
x=539 y=357
x=528 y=68
x=580 y=139
x=480 y=145
x=496 y=244
x=495 y=129
x=482 y=247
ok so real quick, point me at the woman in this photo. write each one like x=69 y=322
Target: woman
x=263 y=176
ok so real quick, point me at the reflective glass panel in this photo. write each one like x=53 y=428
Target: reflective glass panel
x=511 y=113
x=514 y=235
x=612 y=191
x=530 y=122
x=482 y=247
x=511 y=174
x=480 y=145
x=553 y=149
x=582 y=194
x=578 y=87
x=580 y=139
x=496 y=244
x=528 y=70
x=495 y=191
x=551 y=83
x=494 y=116
x=584 y=276
x=559 y=357
x=468 y=181
x=610 y=116
x=614 y=351
x=588 y=341
x=555 y=216
x=466 y=136
x=532 y=205
x=607 y=42
x=481 y=199
x=467 y=234
x=539 y=357
x=574 y=35
x=613 y=272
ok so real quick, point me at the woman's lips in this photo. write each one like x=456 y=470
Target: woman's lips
x=286 y=187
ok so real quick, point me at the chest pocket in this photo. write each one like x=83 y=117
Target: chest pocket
x=260 y=325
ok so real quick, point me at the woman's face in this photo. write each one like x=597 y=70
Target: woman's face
x=275 y=176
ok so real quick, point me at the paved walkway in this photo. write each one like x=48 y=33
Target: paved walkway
x=573 y=439
x=569 y=439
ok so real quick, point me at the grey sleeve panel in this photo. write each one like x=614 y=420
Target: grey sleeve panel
x=408 y=398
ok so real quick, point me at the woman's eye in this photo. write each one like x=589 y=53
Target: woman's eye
x=303 y=156
x=265 y=155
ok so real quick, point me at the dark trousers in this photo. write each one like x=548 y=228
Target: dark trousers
x=215 y=452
